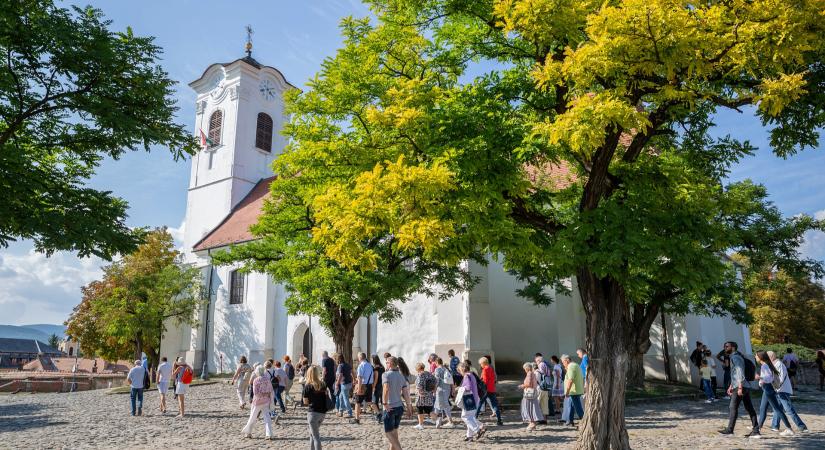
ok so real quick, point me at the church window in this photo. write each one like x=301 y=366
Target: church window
x=263 y=133
x=215 y=123
x=236 y=287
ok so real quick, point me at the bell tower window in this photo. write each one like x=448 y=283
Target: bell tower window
x=263 y=133
x=215 y=123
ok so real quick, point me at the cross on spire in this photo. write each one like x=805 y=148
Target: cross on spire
x=249 y=33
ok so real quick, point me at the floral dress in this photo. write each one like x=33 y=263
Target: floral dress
x=423 y=396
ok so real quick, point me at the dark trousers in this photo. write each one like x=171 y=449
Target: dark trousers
x=735 y=401
x=493 y=403
x=726 y=380
x=136 y=396
x=279 y=398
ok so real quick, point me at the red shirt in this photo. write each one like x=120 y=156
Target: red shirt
x=488 y=376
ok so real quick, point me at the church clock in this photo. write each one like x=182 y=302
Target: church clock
x=267 y=89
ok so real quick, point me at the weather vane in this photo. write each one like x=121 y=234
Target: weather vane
x=249 y=33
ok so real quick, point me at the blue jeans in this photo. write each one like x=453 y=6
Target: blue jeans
x=769 y=397
x=136 y=394
x=707 y=388
x=392 y=418
x=493 y=403
x=785 y=400
x=279 y=399
x=573 y=406
x=343 y=399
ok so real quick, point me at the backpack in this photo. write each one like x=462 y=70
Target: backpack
x=792 y=368
x=545 y=381
x=430 y=384
x=290 y=371
x=750 y=369
x=186 y=377
x=480 y=386
x=273 y=380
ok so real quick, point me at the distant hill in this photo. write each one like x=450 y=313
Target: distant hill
x=41 y=332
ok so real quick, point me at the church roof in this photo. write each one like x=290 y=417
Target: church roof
x=234 y=228
x=248 y=60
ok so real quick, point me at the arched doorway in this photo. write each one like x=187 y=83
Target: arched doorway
x=307 y=344
x=302 y=342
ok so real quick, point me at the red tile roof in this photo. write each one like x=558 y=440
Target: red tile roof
x=234 y=228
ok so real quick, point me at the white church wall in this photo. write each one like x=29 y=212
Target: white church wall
x=239 y=329
x=413 y=336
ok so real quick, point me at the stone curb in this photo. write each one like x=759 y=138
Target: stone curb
x=205 y=383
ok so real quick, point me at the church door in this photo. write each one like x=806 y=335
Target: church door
x=307 y=344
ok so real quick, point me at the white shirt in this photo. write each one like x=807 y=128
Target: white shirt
x=783 y=375
x=164 y=372
x=765 y=375
x=281 y=374
x=135 y=377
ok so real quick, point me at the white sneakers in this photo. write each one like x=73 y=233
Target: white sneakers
x=708 y=401
x=787 y=432
x=419 y=427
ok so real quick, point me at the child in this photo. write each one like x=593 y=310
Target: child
x=706 y=376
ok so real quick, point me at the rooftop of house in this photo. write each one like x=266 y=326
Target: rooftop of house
x=27 y=346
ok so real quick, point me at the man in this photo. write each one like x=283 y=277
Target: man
x=545 y=386
x=164 y=376
x=290 y=378
x=328 y=372
x=724 y=359
x=573 y=390
x=791 y=362
x=280 y=373
x=454 y=367
x=365 y=380
x=135 y=379
x=585 y=360
x=696 y=358
x=488 y=376
x=738 y=391
x=395 y=388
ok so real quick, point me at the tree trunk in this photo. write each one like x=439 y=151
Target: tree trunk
x=636 y=369
x=342 y=336
x=606 y=310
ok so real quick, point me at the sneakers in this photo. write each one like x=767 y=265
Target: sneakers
x=753 y=435
x=447 y=425
x=787 y=432
x=803 y=430
x=429 y=422
x=727 y=397
x=419 y=427
x=726 y=432
x=708 y=401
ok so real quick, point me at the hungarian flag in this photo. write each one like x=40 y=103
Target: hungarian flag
x=205 y=141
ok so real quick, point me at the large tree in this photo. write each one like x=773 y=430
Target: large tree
x=561 y=124
x=72 y=93
x=123 y=314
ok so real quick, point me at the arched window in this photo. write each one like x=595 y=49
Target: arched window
x=215 y=123
x=263 y=133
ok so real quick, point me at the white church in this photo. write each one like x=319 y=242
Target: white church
x=239 y=114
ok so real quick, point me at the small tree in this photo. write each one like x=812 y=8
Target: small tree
x=54 y=341
x=72 y=93
x=128 y=307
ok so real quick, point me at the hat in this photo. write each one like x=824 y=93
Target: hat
x=180 y=360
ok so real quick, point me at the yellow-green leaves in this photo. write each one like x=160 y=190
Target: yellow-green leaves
x=395 y=202
x=776 y=93
x=546 y=22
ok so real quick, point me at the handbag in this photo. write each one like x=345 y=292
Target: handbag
x=529 y=393
x=468 y=402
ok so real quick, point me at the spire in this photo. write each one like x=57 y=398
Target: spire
x=249 y=33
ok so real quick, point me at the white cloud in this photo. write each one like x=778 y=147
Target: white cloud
x=39 y=289
x=814 y=244
x=178 y=233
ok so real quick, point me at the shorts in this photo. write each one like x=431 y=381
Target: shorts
x=392 y=418
x=425 y=409
x=367 y=397
x=181 y=388
x=163 y=386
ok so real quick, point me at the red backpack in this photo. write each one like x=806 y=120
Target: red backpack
x=186 y=378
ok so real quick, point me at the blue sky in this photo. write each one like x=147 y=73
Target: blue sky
x=293 y=36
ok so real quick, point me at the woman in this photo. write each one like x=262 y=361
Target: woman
x=405 y=370
x=820 y=364
x=766 y=375
x=315 y=398
x=443 y=392
x=181 y=374
x=530 y=407
x=378 y=392
x=343 y=384
x=558 y=383
x=290 y=378
x=468 y=403
x=262 y=397
x=783 y=394
x=712 y=365
x=241 y=380
x=425 y=386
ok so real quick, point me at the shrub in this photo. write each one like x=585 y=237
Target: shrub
x=804 y=353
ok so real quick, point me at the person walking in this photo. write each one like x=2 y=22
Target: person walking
x=364 y=383
x=164 y=376
x=724 y=360
x=343 y=384
x=558 y=387
x=315 y=395
x=431 y=361
x=530 y=407
x=767 y=376
x=454 y=361
x=696 y=358
x=262 y=397
x=783 y=394
x=469 y=400
x=328 y=373
x=395 y=388
x=706 y=381
x=290 y=378
x=241 y=380
x=135 y=379
x=544 y=378
x=425 y=387
x=183 y=375
x=378 y=389
x=573 y=390
x=488 y=376
x=282 y=377
x=738 y=392
x=791 y=362
x=820 y=365
x=711 y=361
x=405 y=370
x=585 y=361
x=443 y=392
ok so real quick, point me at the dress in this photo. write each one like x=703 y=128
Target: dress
x=558 y=386
x=530 y=408
x=424 y=398
x=442 y=392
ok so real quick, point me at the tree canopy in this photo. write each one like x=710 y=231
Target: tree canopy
x=575 y=139
x=73 y=92
x=123 y=314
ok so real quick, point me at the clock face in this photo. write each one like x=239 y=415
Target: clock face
x=267 y=89
x=215 y=84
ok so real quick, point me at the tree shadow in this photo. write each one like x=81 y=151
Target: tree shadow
x=235 y=334
x=23 y=416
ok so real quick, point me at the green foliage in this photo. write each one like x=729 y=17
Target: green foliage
x=804 y=353
x=125 y=312
x=72 y=93
x=54 y=341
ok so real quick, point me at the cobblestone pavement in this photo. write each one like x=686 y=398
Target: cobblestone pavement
x=94 y=419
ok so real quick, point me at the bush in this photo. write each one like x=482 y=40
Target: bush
x=804 y=353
